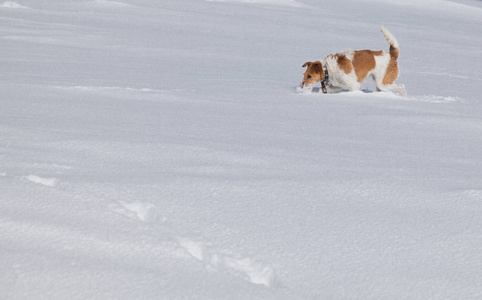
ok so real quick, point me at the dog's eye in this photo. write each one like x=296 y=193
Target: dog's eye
x=309 y=76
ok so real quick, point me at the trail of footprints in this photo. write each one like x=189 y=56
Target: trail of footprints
x=212 y=257
x=205 y=252
x=251 y=270
x=52 y=182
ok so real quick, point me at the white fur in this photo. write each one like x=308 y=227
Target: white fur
x=390 y=37
x=378 y=73
x=338 y=78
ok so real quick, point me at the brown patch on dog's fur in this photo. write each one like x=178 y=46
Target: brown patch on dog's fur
x=392 y=71
x=344 y=63
x=394 y=52
x=364 y=62
x=314 y=73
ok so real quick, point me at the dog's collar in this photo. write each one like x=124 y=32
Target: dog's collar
x=325 y=80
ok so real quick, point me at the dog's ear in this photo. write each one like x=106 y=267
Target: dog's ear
x=308 y=63
x=317 y=67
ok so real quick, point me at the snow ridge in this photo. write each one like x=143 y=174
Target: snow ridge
x=253 y=271
x=218 y=259
x=291 y=3
x=52 y=182
x=12 y=4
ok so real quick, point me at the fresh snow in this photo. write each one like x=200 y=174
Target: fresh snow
x=266 y=2
x=11 y=4
x=159 y=150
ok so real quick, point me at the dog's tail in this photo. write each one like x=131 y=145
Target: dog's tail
x=392 y=41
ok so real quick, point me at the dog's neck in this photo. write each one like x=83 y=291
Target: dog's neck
x=325 y=80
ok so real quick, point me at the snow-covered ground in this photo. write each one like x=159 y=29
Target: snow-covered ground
x=159 y=150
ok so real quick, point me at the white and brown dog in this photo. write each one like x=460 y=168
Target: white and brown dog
x=347 y=70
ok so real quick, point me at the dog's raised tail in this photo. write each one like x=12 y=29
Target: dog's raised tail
x=392 y=41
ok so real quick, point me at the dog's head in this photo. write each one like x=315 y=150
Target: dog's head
x=314 y=73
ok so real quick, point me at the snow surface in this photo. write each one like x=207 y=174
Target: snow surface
x=158 y=150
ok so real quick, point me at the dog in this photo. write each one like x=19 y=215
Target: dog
x=347 y=70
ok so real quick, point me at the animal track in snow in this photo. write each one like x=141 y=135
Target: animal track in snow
x=51 y=167
x=253 y=271
x=438 y=99
x=52 y=182
x=137 y=210
x=292 y=3
x=109 y=89
x=12 y=4
x=473 y=193
x=110 y=3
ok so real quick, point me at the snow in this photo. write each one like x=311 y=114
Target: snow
x=264 y=2
x=12 y=4
x=45 y=181
x=159 y=150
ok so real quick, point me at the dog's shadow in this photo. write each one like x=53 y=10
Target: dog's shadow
x=365 y=90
